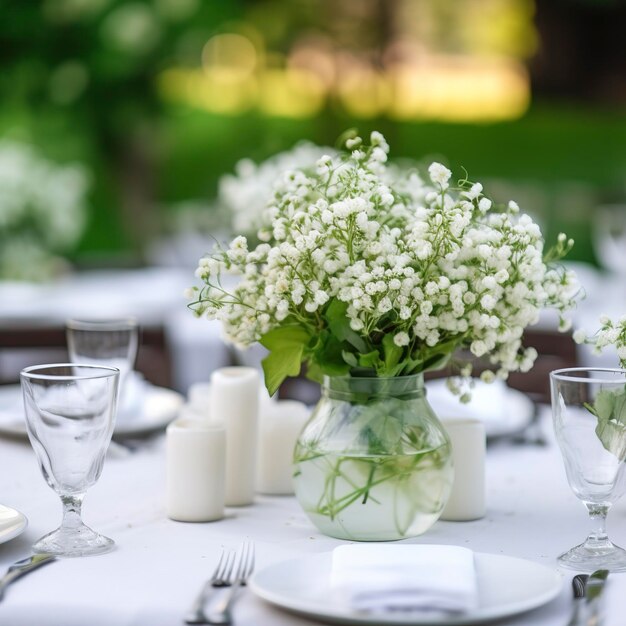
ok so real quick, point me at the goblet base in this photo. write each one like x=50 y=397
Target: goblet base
x=73 y=542
x=590 y=558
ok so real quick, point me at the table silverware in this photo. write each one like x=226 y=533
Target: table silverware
x=22 y=567
x=220 y=578
x=578 y=587
x=220 y=613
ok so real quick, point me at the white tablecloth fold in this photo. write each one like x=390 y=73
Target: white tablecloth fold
x=425 y=578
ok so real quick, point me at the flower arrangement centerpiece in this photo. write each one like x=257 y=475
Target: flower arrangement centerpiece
x=245 y=193
x=371 y=275
x=42 y=211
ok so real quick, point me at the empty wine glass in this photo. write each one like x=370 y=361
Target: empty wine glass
x=112 y=343
x=609 y=236
x=589 y=411
x=70 y=411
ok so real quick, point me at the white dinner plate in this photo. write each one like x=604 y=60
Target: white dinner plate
x=12 y=523
x=159 y=406
x=506 y=586
x=503 y=410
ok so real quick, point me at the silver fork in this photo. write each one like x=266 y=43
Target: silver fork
x=220 y=578
x=220 y=613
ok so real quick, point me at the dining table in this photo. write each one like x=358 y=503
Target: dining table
x=159 y=565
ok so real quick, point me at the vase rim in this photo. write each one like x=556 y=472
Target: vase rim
x=359 y=378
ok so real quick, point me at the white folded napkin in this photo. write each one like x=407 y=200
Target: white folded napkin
x=423 y=578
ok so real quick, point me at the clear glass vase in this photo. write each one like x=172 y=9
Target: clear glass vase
x=373 y=463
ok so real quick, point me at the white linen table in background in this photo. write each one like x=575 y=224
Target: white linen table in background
x=159 y=565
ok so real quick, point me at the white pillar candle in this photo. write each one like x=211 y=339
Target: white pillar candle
x=196 y=464
x=280 y=424
x=235 y=403
x=467 y=499
x=199 y=398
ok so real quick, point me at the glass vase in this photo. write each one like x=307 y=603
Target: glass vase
x=373 y=463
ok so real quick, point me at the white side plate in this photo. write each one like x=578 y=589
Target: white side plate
x=158 y=408
x=503 y=410
x=12 y=523
x=506 y=586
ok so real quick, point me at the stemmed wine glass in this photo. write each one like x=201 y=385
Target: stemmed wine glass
x=112 y=343
x=589 y=411
x=70 y=413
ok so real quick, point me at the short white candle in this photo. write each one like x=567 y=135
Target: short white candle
x=235 y=403
x=196 y=464
x=467 y=499
x=280 y=424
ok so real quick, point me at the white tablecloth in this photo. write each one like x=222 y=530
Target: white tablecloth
x=159 y=565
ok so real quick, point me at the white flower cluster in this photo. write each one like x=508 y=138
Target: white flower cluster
x=42 y=204
x=246 y=193
x=611 y=333
x=433 y=266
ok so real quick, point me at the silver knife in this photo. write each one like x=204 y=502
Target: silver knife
x=22 y=567
x=593 y=597
x=578 y=587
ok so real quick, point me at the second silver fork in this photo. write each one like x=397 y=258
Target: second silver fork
x=220 y=613
x=220 y=578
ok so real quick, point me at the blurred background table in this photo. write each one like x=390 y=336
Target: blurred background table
x=176 y=349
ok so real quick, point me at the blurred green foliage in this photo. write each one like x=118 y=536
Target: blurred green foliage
x=79 y=80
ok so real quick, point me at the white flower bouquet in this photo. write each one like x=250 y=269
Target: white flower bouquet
x=245 y=193
x=365 y=269
x=42 y=210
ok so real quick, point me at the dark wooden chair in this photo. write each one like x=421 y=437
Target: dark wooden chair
x=153 y=359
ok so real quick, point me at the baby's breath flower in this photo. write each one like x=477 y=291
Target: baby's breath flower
x=611 y=334
x=402 y=257
x=439 y=174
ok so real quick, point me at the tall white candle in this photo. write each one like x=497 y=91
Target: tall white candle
x=467 y=499
x=196 y=476
x=235 y=403
x=280 y=424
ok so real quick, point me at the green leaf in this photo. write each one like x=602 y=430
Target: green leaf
x=604 y=404
x=339 y=325
x=328 y=354
x=281 y=363
x=371 y=359
x=286 y=345
x=392 y=352
x=314 y=373
x=595 y=584
x=349 y=358
x=610 y=408
x=285 y=336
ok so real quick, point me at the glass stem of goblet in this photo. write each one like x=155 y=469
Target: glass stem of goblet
x=72 y=506
x=598 y=536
